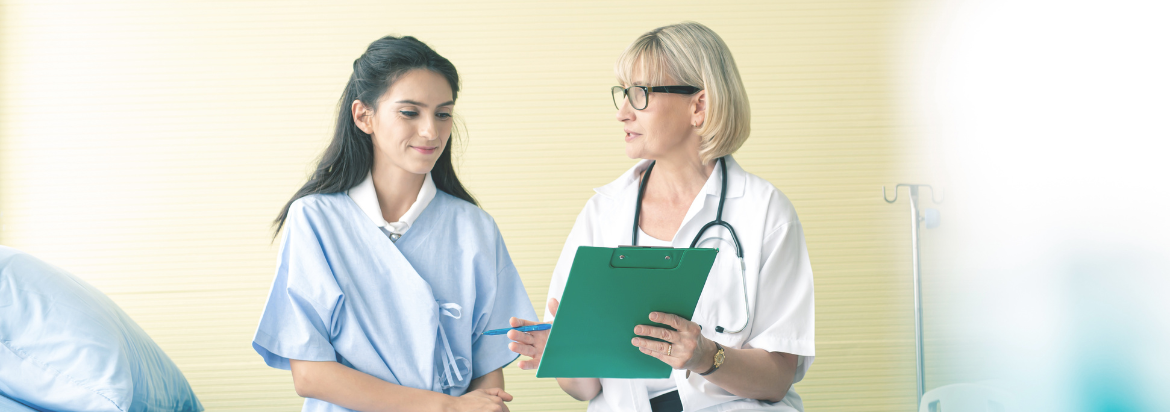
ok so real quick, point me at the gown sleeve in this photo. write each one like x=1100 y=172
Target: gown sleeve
x=305 y=297
x=507 y=298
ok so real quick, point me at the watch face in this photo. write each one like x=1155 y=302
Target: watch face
x=719 y=357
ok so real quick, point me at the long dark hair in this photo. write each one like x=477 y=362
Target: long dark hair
x=350 y=154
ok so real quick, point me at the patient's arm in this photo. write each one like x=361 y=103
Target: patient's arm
x=347 y=387
x=494 y=379
x=582 y=389
x=531 y=344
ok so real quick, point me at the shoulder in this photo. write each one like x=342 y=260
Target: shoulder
x=318 y=202
x=318 y=207
x=768 y=202
x=600 y=205
x=462 y=212
x=612 y=194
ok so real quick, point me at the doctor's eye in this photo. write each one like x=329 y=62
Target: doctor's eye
x=408 y=113
x=443 y=116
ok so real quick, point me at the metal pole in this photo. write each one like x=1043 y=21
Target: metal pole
x=917 y=292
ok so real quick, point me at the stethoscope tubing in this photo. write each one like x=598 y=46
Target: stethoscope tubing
x=717 y=222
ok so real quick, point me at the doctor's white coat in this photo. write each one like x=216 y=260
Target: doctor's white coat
x=779 y=281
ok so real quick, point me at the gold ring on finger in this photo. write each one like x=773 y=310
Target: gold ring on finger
x=668 y=349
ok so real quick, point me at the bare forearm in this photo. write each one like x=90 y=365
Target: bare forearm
x=755 y=373
x=344 y=386
x=582 y=389
x=493 y=379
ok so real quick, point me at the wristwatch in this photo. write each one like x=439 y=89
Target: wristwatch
x=719 y=356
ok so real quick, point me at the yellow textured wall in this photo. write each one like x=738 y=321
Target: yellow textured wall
x=146 y=146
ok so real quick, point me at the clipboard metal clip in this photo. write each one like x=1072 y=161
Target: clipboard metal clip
x=640 y=257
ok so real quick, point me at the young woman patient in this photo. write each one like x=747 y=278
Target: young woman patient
x=388 y=272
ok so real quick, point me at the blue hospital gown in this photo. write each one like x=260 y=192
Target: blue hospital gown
x=410 y=313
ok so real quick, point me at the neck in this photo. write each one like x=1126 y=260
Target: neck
x=679 y=179
x=397 y=189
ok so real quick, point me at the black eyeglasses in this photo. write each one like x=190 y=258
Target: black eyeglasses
x=639 y=96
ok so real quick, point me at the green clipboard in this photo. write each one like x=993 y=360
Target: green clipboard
x=611 y=290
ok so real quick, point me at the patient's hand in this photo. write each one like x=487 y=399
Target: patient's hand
x=530 y=344
x=483 y=400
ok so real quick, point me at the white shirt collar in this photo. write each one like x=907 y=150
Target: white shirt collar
x=367 y=199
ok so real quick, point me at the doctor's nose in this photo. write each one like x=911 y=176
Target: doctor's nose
x=625 y=112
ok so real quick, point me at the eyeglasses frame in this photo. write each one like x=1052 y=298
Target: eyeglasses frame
x=650 y=89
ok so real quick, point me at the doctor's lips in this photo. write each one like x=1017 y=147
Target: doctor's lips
x=631 y=135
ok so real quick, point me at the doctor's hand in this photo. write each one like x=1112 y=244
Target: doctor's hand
x=685 y=347
x=530 y=344
x=482 y=400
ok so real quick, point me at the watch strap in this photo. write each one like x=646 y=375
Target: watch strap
x=715 y=362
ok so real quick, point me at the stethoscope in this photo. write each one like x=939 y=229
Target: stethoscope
x=717 y=222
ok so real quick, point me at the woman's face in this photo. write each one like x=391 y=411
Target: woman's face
x=665 y=128
x=412 y=123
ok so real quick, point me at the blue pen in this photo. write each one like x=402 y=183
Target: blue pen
x=529 y=328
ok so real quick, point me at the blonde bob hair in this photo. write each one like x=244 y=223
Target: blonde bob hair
x=690 y=54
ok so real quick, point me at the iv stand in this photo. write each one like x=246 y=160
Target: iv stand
x=914 y=219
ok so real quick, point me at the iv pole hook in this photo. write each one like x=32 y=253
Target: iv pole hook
x=912 y=187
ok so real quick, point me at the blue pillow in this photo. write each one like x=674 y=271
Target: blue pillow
x=66 y=346
x=9 y=405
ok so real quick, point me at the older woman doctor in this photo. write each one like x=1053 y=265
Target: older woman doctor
x=684 y=110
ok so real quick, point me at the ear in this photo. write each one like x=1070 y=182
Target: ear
x=362 y=116
x=699 y=109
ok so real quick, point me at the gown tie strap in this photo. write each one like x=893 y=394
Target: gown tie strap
x=451 y=362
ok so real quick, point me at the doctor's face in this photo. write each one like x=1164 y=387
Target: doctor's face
x=412 y=123
x=663 y=129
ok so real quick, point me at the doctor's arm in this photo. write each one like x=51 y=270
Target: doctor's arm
x=749 y=373
x=347 y=387
x=785 y=276
x=755 y=373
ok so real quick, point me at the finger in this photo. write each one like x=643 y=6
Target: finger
x=497 y=392
x=521 y=337
x=526 y=350
x=655 y=332
x=660 y=357
x=529 y=364
x=652 y=345
x=517 y=322
x=653 y=353
x=673 y=321
x=661 y=333
x=553 y=304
